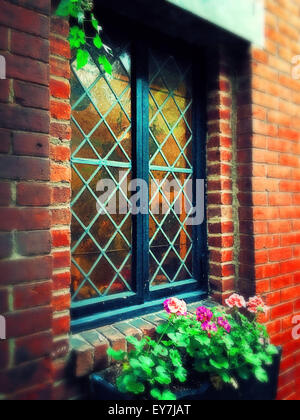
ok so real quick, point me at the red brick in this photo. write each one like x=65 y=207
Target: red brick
x=32 y=347
x=60 y=173
x=31 y=194
x=61 y=259
x=31 y=144
x=6 y=245
x=60 y=110
x=60 y=131
x=24 y=219
x=16 y=167
x=24 y=20
x=25 y=119
x=61 y=325
x=33 y=243
x=61 y=217
x=5 y=141
x=60 y=153
x=60 y=26
x=3 y=38
x=26 y=69
x=281 y=310
x=290 y=293
x=5 y=194
x=60 y=68
x=84 y=356
x=30 y=46
x=61 y=195
x=60 y=89
x=280 y=254
x=61 y=302
x=30 y=321
x=60 y=47
x=30 y=95
x=28 y=375
x=61 y=238
x=61 y=281
x=26 y=270
x=4 y=90
x=32 y=295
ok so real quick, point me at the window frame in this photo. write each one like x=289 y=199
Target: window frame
x=95 y=312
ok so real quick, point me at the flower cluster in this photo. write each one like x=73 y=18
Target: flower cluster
x=225 y=324
x=204 y=316
x=255 y=304
x=175 y=306
x=236 y=301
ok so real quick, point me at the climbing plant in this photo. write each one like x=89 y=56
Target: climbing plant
x=84 y=23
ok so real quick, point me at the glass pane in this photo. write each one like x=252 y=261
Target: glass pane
x=170 y=100
x=101 y=151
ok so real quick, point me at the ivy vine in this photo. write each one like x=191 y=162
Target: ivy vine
x=81 y=11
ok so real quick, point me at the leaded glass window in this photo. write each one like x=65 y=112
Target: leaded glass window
x=137 y=123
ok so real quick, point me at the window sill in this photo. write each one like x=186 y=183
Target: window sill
x=89 y=348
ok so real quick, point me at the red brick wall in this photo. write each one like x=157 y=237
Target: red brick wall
x=60 y=176
x=269 y=162
x=253 y=160
x=25 y=216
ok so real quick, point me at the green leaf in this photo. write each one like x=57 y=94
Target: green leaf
x=98 y=42
x=155 y=393
x=163 y=377
x=225 y=377
x=272 y=350
x=181 y=374
x=168 y=396
x=116 y=354
x=261 y=375
x=95 y=22
x=63 y=9
x=82 y=58
x=135 y=364
x=252 y=359
x=160 y=350
x=175 y=358
x=147 y=361
x=106 y=64
x=138 y=344
x=162 y=328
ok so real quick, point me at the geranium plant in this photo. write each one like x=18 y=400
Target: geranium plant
x=224 y=345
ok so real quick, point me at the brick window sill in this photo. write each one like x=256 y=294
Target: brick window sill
x=89 y=348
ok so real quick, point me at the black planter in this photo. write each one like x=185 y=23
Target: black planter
x=251 y=390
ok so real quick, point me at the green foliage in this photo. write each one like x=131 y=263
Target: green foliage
x=81 y=12
x=184 y=348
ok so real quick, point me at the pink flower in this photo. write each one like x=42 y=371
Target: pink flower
x=209 y=327
x=236 y=301
x=225 y=324
x=204 y=314
x=256 y=304
x=175 y=306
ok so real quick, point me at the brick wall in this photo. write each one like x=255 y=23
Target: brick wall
x=269 y=162
x=60 y=176
x=253 y=160
x=25 y=216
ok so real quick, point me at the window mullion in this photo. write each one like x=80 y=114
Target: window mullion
x=140 y=126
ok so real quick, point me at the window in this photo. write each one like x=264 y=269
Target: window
x=144 y=122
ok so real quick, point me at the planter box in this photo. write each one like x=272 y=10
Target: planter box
x=252 y=390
